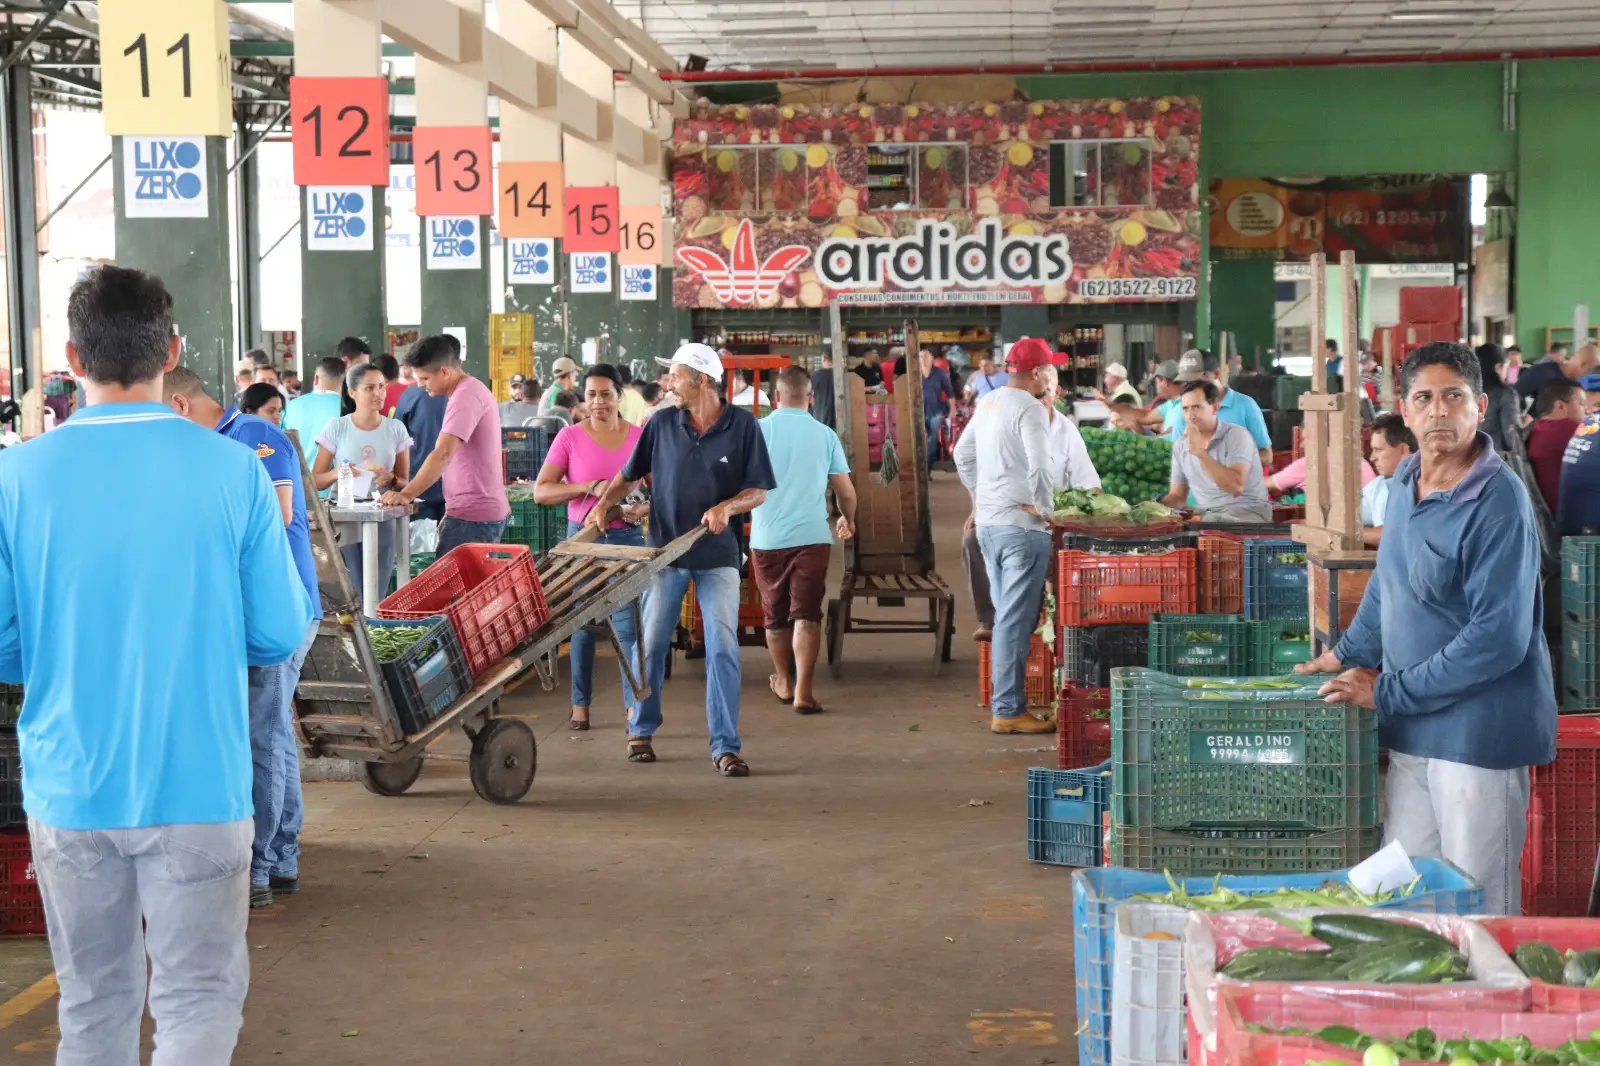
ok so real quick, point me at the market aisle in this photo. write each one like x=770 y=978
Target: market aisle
x=846 y=904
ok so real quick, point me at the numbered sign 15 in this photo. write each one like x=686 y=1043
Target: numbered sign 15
x=164 y=68
x=530 y=203
x=341 y=130
x=591 y=220
x=641 y=236
x=454 y=170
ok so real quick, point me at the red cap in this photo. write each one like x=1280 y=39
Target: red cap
x=1030 y=353
x=1060 y=358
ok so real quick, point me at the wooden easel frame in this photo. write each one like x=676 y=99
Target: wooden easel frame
x=1332 y=430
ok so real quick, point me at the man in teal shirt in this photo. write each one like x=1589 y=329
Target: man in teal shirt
x=1234 y=407
x=308 y=415
x=790 y=542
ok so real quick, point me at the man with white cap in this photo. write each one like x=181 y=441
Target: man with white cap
x=1118 y=390
x=563 y=378
x=1233 y=406
x=708 y=466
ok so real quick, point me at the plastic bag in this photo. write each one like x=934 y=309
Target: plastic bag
x=424 y=535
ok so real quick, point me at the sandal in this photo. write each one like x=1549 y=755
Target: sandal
x=578 y=725
x=730 y=765
x=772 y=683
x=640 y=750
x=817 y=709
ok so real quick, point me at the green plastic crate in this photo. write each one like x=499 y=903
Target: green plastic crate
x=1580 y=578
x=1288 y=392
x=1580 y=665
x=1200 y=645
x=1276 y=646
x=420 y=561
x=1242 y=851
x=538 y=526
x=1190 y=757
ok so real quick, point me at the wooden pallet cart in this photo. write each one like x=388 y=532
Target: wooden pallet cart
x=890 y=559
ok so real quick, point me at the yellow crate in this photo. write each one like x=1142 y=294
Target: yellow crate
x=750 y=611
x=510 y=331
x=504 y=362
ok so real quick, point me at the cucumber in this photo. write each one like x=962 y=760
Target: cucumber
x=1404 y=963
x=1359 y=931
x=1581 y=967
x=1539 y=961
x=1278 y=964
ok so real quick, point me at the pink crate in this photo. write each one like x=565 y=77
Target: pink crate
x=1561 y=934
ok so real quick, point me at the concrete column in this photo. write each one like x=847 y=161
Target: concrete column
x=589 y=163
x=639 y=185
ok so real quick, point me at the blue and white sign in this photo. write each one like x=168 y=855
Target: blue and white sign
x=530 y=261
x=164 y=177
x=589 y=272
x=455 y=242
x=339 y=218
x=639 y=281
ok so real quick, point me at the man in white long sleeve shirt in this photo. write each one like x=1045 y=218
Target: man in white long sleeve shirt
x=1003 y=458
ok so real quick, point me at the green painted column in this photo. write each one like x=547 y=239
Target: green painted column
x=341 y=269
x=455 y=284
x=533 y=273
x=1244 y=303
x=677 y=323
x=1024 y=320
x=590 y=315
x=1202 y=301
x=638 y=333
x=171 y=198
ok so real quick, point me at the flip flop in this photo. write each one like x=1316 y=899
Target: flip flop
x=772 y=683
x=818 y=709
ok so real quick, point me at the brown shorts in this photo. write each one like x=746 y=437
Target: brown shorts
x=793 y=582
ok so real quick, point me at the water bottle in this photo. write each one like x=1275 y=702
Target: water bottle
x=347 y=486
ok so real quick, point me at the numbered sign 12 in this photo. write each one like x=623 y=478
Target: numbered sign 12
x=592 y=223
x=341 y=130
x=531 y=202
x=164 y=68
x=641 y=236
x=454 y=170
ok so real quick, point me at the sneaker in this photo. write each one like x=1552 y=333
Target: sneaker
x=1022 y=723
x=284 y=886
x=260 y=896
x=980 y=635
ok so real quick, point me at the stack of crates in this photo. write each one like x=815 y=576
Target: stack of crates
x=523 y=451
x=21 y=907
x=510 y=351
x=1239 y=775
x=11 y=816
x=536 y=526
x=1558 y=857
x=1579 y=668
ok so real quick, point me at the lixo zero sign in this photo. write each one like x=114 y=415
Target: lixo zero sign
x=164 y=177
x=936 y=258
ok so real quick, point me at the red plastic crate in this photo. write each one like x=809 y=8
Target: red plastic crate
x=1220 y=566
x=1038 y=683
x=1428 y=303
x=1106 y=590
x=21 y=906
x=1561 y=934
x=1564 y=824
x=490 y=592
x=1082 y=739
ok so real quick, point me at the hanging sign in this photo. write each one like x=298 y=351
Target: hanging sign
x=164 y=177
x=530 y=261
x=338 y=218
x=591 y=220
x=638 y=281
x=454 y=242
x=340 y=128
x=530 y=200
x=165 y=68
x=640 y=235
x=454 y=170
x=589 y=272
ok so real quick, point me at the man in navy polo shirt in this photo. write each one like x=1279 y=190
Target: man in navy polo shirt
x=708 y=466
x=279 y=814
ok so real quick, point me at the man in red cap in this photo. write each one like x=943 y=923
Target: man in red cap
x=1003 y=459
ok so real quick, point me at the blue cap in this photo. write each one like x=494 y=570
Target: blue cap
x=1590 y=382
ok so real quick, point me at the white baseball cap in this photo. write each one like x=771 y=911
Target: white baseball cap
x=1117 y=369
x=699 y=357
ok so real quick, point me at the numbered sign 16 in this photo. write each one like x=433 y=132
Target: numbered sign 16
x=531 y=204
x=641 y=236
x=591 y=217
x=164 y=68
x=454 y=170
x=341 y=130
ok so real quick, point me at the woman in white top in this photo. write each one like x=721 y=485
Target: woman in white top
x=379 y=449
x=1070 y=466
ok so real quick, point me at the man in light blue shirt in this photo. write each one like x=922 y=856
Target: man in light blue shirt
x=130 y=617
x=307 y=415
x=790 y=542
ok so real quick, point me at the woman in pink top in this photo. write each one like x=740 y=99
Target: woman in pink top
x=581 y=462
x=1292 y=478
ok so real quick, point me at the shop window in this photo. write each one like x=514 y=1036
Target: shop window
x=1099 y=173
x=905 y=177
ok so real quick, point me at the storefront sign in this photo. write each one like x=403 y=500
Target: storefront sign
x=339 y=218
x=530 y=261
x=1207 y=746
x=164 y=177
x=1399 y=219
x=589 y=272
x=454 y=242
x=638 y=281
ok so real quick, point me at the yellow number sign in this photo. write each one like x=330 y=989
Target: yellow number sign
x=164 y=68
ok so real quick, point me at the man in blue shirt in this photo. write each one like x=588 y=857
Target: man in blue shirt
x=1578 y=503
x=1234 y=407
x=937 y=392
x=130 y=619
x=279 y=812
x=423 y=416
x=708 y=466
x=310 y=414
x=790 y=542
x=1453 y=616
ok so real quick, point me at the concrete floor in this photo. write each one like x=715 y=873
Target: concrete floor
x=863 y=899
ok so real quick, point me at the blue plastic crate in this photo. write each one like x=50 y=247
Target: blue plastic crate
x=1096 y=894
x=1275 y=588
x=1066 y=811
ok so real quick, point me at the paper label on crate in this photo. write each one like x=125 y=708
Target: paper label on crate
x=1388 y=870
x=1276 y=746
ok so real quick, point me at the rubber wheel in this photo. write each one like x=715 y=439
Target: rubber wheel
x=505 y=757
x=831 y=636
x=391 y=778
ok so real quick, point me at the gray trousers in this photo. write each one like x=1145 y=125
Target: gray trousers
x=189 y=886
x=977 y=578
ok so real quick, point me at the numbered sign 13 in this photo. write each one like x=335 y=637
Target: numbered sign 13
x=164 y=68
x=592 y=223
x=531 y=202
x=341 y=130
x=454 y=170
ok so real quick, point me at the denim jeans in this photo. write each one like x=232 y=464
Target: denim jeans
x=1017 y=561
x=453 y=533
x=178 y=893
x=933 y=422
x=1475 y=818
x=718 y=593
x=275 y=755
x=350 y=548
x=583 y=641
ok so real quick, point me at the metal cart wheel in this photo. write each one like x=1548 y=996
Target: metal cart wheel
x=391 y=778
x=505 y=757
x=832 y=632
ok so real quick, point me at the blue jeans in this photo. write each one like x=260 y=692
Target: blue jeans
x=453 y=532
x=275 y=758
x=1017 y=561
x=933 y=423
x=718 y=593
x=583 y=641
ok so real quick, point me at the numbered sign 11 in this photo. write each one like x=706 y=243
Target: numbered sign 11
x=164 y=68
x=641 y=236
x=531 y=203
x=454 y=170
x=592 y=223
x=341 y=130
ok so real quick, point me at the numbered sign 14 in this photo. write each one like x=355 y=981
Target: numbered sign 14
x=164 y=68
x=341 y=130
x=454 y=170
x=591 y=219
x=531 y=202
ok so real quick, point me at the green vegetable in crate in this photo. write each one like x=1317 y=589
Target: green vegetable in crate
x=1271 y=963
x=1359 y=931
x=1221 y=898
x=1403 y=963
x=1581 y=968
x=391 y=642
x=1292 y=558
x=1424 y=1045
x=1539 y=961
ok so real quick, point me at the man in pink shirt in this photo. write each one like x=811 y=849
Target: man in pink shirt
x=467 y=455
